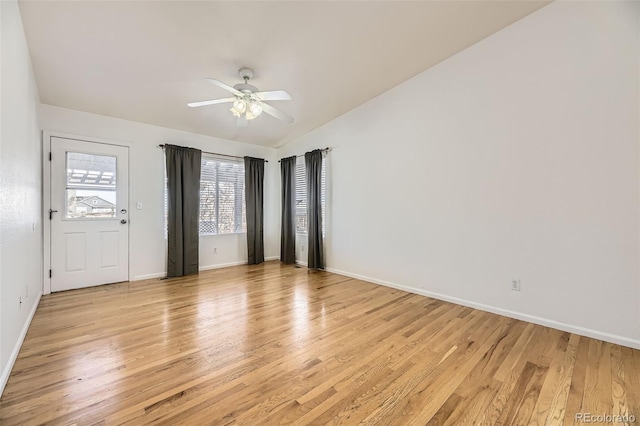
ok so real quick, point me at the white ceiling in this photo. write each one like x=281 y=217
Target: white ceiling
x=144 y=60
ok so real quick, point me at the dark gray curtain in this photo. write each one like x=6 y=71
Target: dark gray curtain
x=183 y=187
x=254 y=196
x=313 y=163
x=288 y=229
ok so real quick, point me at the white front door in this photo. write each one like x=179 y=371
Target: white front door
x=89 y=213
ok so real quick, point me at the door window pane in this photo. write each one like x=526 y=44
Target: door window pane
x=91 y=186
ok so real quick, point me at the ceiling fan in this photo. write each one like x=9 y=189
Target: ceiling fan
x=248 y=102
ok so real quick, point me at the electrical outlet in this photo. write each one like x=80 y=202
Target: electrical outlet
x=515 y=285
x=302 y=248
x=215 y=250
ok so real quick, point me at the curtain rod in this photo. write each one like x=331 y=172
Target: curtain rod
x=323 y=150
x=216 y=153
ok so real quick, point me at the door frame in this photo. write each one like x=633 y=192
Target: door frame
x=46 y=197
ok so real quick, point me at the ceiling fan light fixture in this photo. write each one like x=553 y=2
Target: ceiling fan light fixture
x=239 y=106
x=246 y=108
x=255 y=108
x=247 y=102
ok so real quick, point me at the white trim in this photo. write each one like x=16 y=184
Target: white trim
x=226 y=265
x=46 y=196
x=202 y=268
x=149 y=276
x=607 y=337
x=46 y=205
x=63 y=135
x=16 y=349
x=222 y=265
x=300 y=262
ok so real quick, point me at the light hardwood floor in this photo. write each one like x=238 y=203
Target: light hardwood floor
x=272 y=344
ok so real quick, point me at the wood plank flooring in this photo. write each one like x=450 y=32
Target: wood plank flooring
x=272 y=344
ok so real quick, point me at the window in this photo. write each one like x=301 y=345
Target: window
x=222 y=204
x=91 y=186
x=301 y=196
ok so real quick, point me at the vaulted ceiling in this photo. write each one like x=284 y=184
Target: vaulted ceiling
x=145 y=60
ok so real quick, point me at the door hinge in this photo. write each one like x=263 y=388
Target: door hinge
x=50 y=273
x=49 y=156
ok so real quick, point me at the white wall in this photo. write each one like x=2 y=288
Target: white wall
x=20 y=200
x=147 y=243
x=516 y=158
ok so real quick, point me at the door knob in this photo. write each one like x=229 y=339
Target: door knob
x=123 y=221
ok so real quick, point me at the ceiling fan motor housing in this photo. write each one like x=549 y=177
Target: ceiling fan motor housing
x=248 y=100
x=246 y=74
x=245 y=88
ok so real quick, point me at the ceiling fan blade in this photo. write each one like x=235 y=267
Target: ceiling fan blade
x=225 y=86
x=211 y=102
x=273 y=95
x=276 y=113
x=242 y=122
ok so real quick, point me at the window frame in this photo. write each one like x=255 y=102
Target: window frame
x=301 y=194
x=242 y=203
x=301 y=184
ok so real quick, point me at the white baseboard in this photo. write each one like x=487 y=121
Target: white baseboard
x=149 y=276
x=302 y=263
x=222 y=265
x=201 y=268
x=16 y=349
x=240 y=262
x=595 y=334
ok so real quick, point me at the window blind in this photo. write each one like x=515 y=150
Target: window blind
x=222 y=204
x=301 y=195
